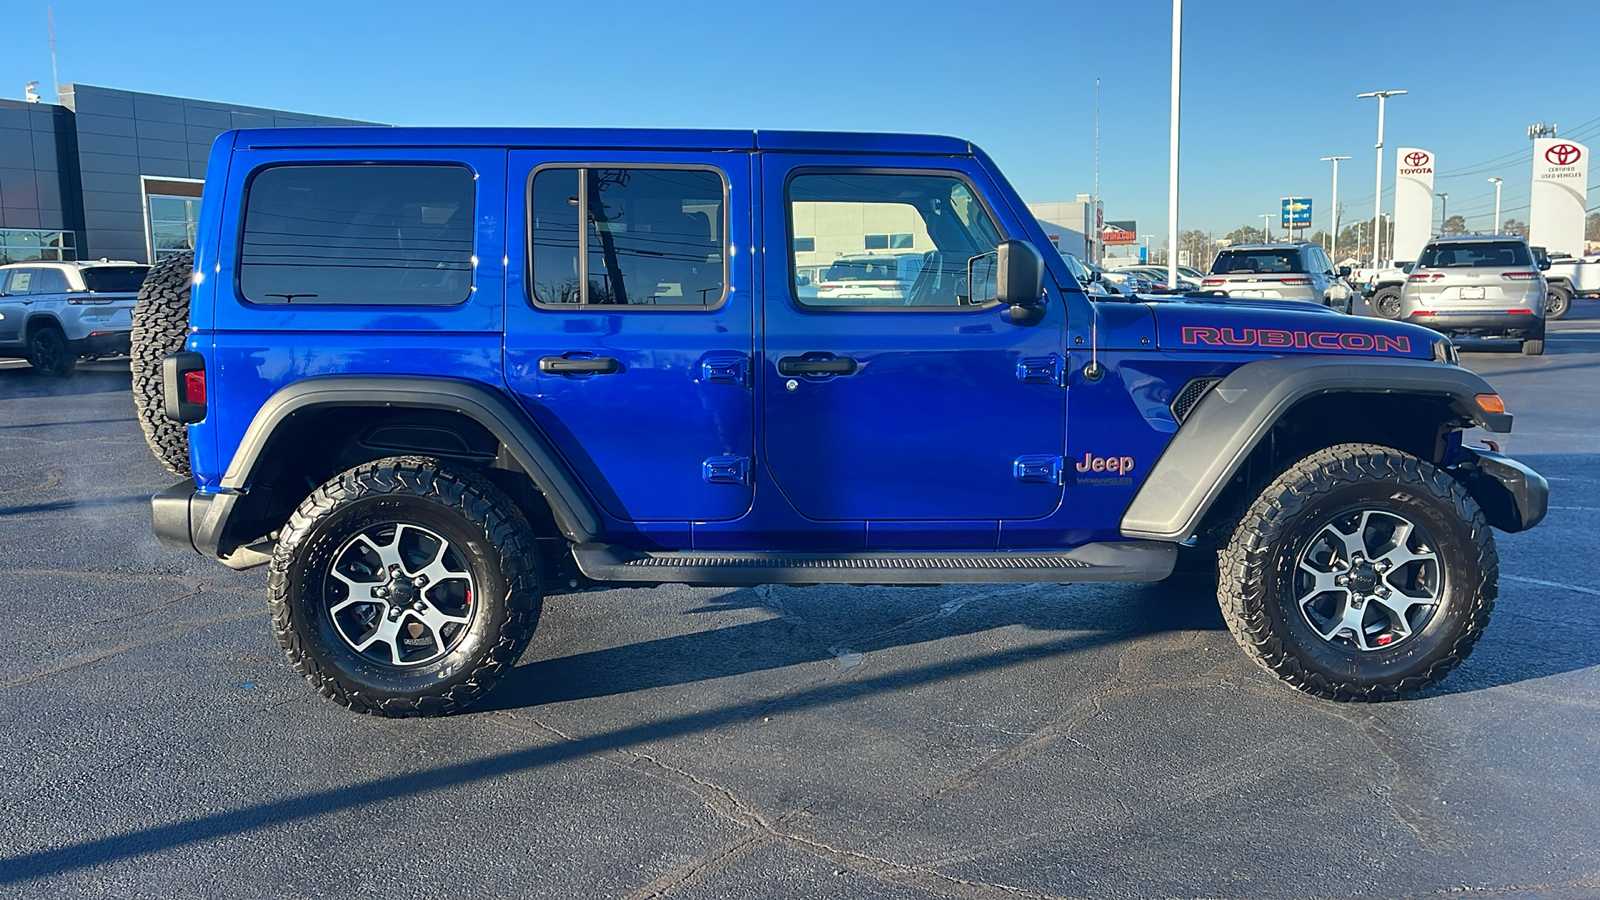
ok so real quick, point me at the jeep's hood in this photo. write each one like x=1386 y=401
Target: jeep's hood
x=1277 y=328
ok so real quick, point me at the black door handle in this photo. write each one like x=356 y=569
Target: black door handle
x=801 y=365
x=567 y=365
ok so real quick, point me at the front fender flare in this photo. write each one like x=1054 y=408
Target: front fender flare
x=1235 y=415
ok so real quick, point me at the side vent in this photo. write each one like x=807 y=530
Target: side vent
x=1190 y=397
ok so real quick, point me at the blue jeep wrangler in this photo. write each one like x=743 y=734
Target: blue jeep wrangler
x=430 y=376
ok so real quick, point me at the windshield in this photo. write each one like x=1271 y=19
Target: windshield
x=114 y=279
x=1476 y=255
x=1255 y=262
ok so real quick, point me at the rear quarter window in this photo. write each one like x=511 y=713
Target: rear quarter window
x=358 y=235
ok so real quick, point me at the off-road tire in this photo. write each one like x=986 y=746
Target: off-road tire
x=49 y=353
x=1533 y=348
x=1558 y=302
x=459 y=504
x=160 y=327
x=1256 y=594
x=1386 y=302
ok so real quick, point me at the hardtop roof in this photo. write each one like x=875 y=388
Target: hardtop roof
x=604 y=138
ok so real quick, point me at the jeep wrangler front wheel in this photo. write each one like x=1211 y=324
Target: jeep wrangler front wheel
x=1360 y=573
x=404 y=588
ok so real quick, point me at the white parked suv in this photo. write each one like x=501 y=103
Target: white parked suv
x=1287 y=271
x=1487 y=286
x=884 y=277
x=51 y=313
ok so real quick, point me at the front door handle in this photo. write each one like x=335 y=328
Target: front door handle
x=803 y=365
x=582 y=365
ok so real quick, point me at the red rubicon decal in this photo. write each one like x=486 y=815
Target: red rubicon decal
x=1304 y=340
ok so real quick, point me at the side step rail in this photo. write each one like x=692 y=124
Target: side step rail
x=1122 y=561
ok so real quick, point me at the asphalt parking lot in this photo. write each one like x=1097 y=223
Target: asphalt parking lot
x=963 y=741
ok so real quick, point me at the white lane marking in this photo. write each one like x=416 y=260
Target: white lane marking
x=1554 y=584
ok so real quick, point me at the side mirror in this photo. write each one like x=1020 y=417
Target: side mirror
x=1408 y=267
x=1544 y=265
x=1344 y=271
x=1019 y=276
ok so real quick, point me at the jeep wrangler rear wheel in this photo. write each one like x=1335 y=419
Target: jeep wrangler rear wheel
x=1360 y=573
x=160 y=327
x=404 y=588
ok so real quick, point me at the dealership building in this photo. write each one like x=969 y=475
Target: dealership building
x=112 y=174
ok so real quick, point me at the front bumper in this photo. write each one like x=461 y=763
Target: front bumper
x=1481 y=324
x=1513 y=496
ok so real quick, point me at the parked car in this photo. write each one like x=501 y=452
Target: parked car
x=1562 y=273
x=1287 y=271
x=53 y=313
x=1157 y=276
x=1486 y=286
x=484 y=392
x=1381 y=287
x=882 y=278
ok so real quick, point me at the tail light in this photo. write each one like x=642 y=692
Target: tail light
x=1209 y=281
x=183 y=386
x=1519 y=276
x=1295 y=281
x=1426 y=276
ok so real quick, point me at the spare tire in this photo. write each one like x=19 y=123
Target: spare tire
x=160 y=326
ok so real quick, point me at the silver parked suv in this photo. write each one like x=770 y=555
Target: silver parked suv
x=51 y=313
x=1483 y=286
x=1287 y=271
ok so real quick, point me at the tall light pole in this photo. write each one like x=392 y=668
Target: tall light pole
x=1377 y=198
x=1172 y=152
x=1266 y=228
x=1444 y=209
x=1496 y=228
x=1383 y=231
x=1333 y=236
x=1146 y=239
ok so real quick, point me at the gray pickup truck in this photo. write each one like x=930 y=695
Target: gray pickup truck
x=52 y=313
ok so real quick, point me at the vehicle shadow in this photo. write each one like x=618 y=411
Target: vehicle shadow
x=832 y=621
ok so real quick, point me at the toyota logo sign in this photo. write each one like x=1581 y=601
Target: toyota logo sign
x=1416 y=158
x=1563 y=155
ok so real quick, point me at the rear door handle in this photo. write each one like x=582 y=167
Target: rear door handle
x=803 y=365
x=566 y=365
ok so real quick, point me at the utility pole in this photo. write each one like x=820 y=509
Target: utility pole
x=1444 y=210
x=1172 y=152
x=50 y=17
x=1266 y=228
x=1377 y=198
x=1333 y=236
x=1496 y=228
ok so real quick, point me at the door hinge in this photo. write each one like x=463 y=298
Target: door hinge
x=726 y=470
x=1038 y=469
x=726 y=369
x=1050 y=369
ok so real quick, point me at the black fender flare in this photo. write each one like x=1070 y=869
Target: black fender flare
x=574 y=511
x=1233 y=418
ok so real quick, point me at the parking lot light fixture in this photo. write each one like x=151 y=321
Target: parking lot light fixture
x=1496 y=223
x=1333 y=207
x=1377 y=194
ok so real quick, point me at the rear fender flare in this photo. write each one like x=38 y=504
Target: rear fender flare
x=570 y=505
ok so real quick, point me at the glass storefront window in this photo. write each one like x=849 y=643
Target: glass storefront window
x=173 y=222
x=32 y=245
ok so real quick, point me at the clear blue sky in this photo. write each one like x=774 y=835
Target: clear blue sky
x=1269 y=87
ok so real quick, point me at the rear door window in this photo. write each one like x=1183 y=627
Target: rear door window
x=358 y=235
x=637 y=237
x=51 y=281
